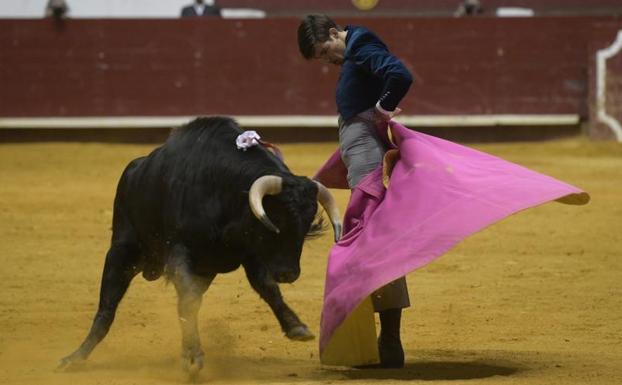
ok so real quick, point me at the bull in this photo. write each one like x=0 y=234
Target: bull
x=197 y=207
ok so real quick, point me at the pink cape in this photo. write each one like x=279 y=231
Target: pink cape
x=439 y=194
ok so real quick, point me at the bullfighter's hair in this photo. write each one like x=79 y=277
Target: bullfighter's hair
x=314 y=29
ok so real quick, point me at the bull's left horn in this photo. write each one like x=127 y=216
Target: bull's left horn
x=265 y=185
x=330 y=206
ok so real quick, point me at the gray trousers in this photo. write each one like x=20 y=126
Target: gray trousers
x=362 y=152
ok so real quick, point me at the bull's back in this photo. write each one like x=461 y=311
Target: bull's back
x=189 y=187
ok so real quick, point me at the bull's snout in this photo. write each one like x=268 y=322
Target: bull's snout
x=287 y=276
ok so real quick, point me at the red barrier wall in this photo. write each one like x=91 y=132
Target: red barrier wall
x=252 y=67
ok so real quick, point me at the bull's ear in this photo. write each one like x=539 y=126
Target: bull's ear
x=265 y=185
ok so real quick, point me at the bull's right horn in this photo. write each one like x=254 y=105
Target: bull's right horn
x=265 y=185
x=330 y=206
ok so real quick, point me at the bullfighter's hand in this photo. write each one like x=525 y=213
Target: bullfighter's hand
x=385 y=116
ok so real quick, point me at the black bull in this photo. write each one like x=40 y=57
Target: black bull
x=197 y=207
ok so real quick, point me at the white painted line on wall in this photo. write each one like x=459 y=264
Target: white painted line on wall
x=601 y=86
x=288 y=121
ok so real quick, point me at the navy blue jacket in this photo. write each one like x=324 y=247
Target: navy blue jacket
x=369 y=74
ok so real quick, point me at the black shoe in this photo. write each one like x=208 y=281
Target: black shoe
x=389 y=343
x=391 y=353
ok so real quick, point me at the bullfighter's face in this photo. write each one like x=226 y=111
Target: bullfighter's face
x=332 y=50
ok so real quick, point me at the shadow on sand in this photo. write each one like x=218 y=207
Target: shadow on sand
x=438 y=365
x=433 y=370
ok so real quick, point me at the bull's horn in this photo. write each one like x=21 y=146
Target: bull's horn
x=265 y=185
x=330 y=206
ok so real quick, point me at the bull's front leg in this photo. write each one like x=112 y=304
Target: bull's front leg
x=261 y=280
x=190 y=289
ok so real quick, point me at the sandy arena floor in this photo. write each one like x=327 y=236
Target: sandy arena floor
x=535 y=299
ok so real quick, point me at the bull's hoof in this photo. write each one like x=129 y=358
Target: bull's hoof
x=193 y=363
x=70 y=361
x=299 y=333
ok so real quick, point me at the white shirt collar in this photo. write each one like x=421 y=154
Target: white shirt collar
x=200 y=8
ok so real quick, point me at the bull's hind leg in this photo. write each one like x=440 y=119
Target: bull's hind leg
x=263 y=283
x=190 y=289
x=120 y=267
